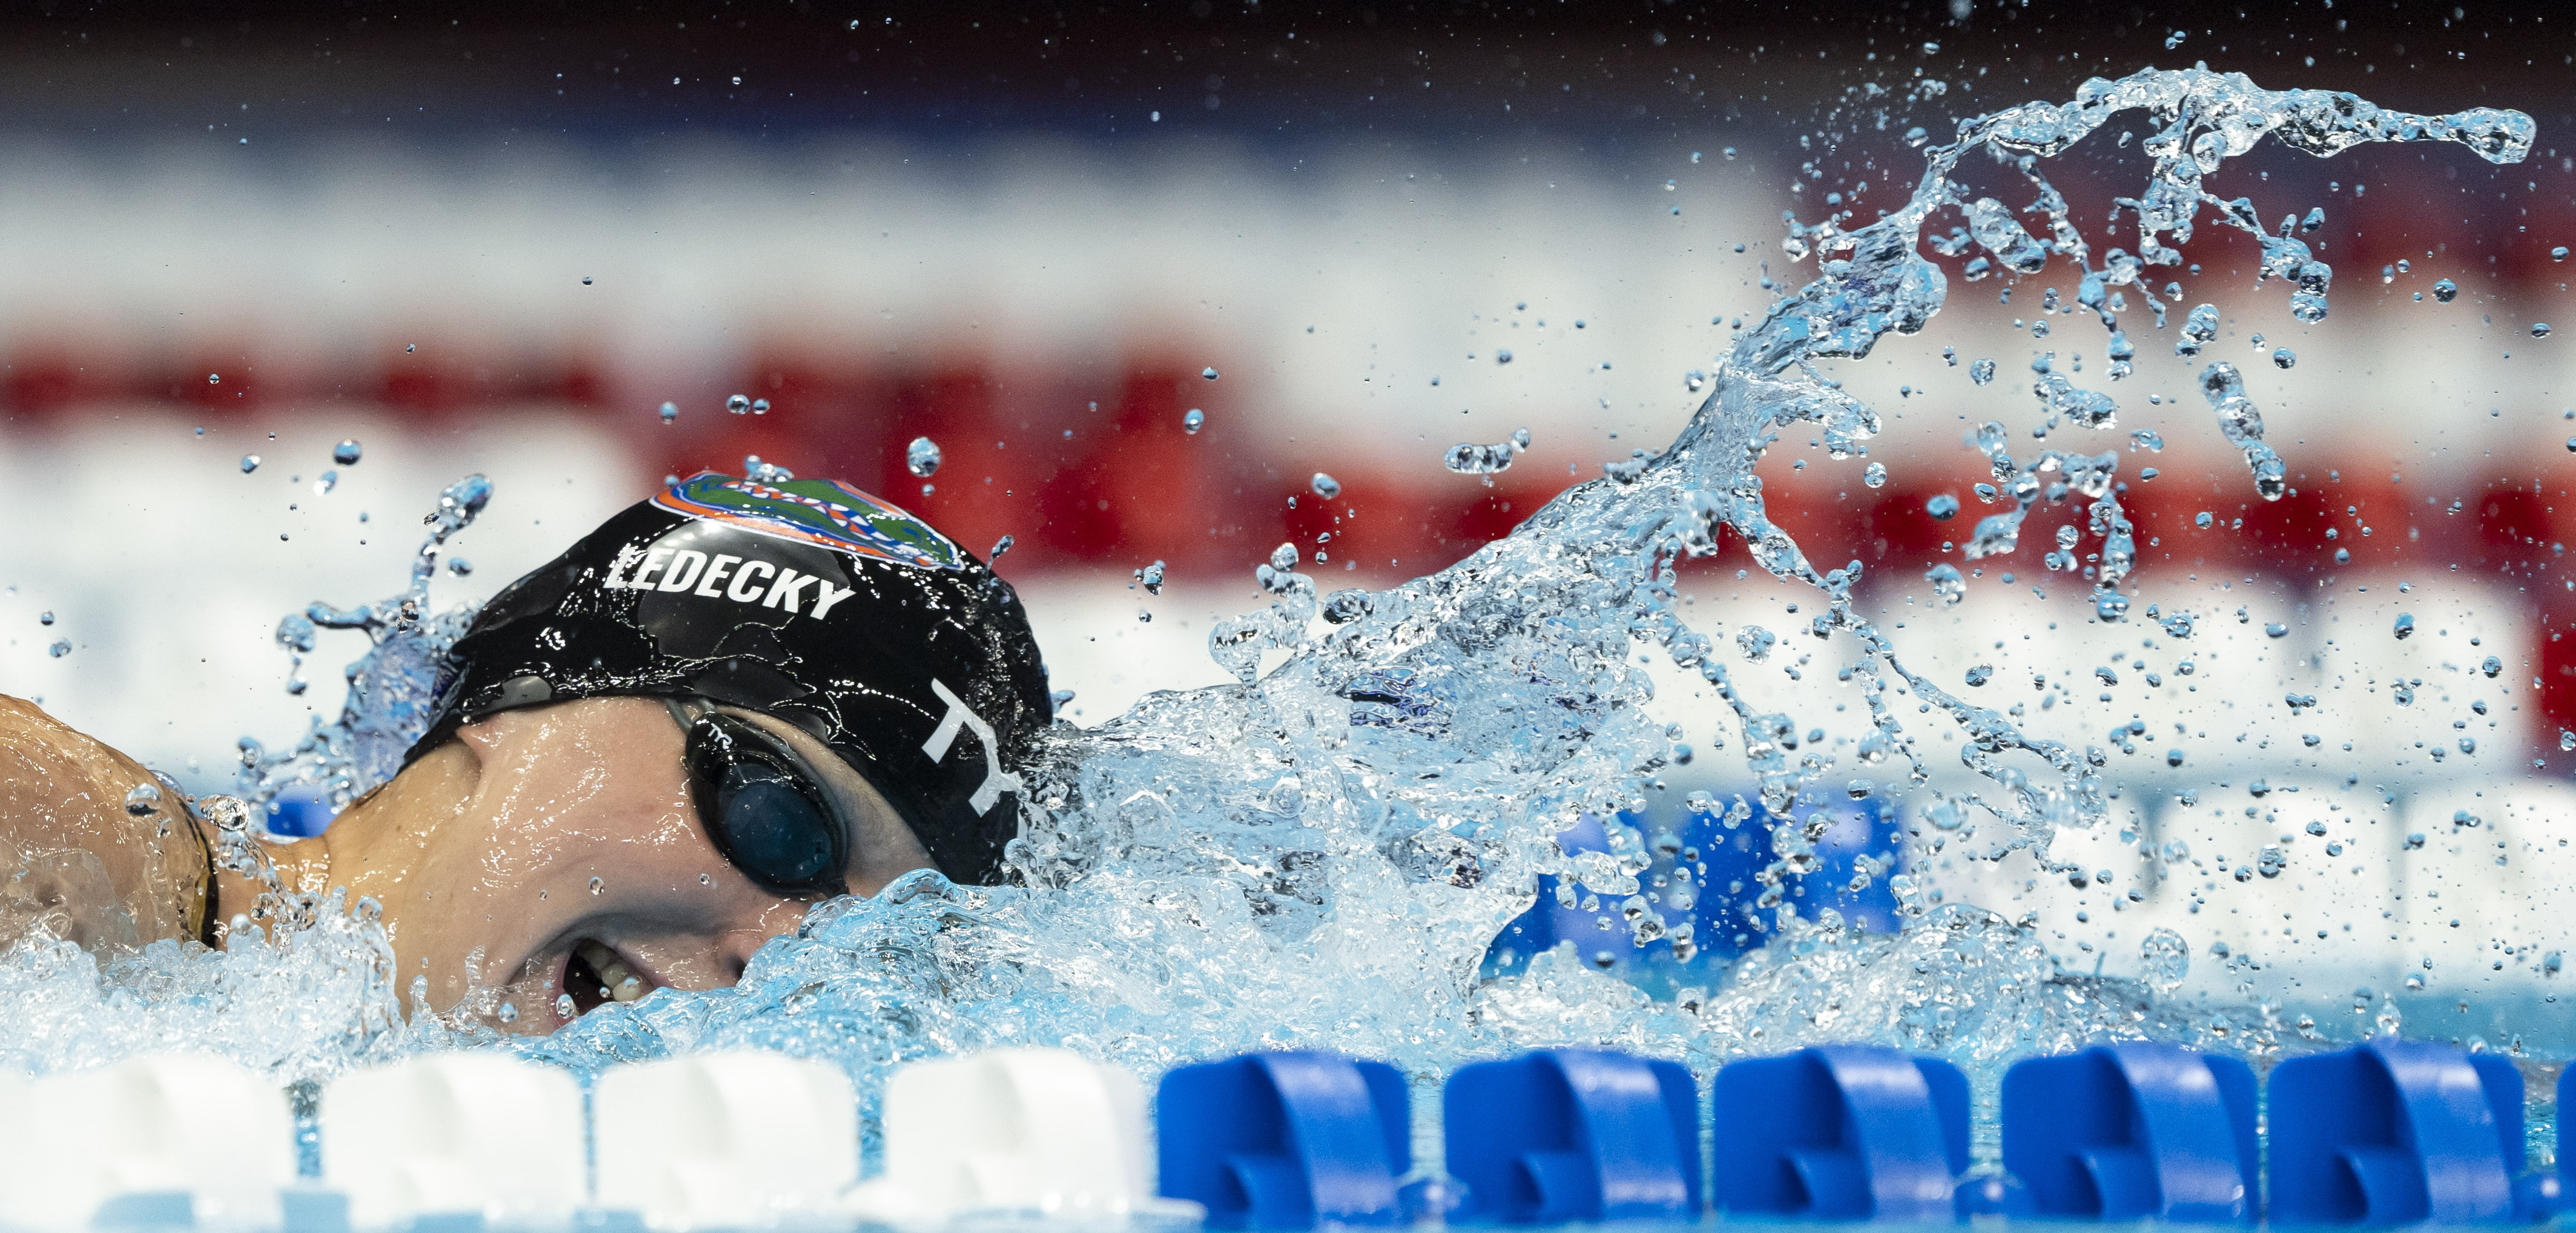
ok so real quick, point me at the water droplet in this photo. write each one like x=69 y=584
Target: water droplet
x=2283 y=357
x=1468 y=458
x=1151 y=578
x=45 y=618
x=1503 y=357
x=1942 y=507
x=143 y=799
x=347 y=452
x=739 y=404
x=1981 y=371
x=760 y=406
x=60 y=648
x=922 y=457
x=2446 y=291
x=2491 y=665
x=2164 y=959
x=670 y=412
x=595 y=884
x=706 y=879
x=249 y=463
x=459 y=566
x=1192 y=422
x=2559 y=253
x=214 y=378
x=2275 y=630
x=1947 y=584
x=1284 y=557
x=564 y=1007
x=509 y=1012
x=2405 y=627
x=1980 y=674
x=1874 y=475
x=1325 y=486
x=2202 y=520
x=1208 y=372
x=2198 y=328
x=2540 y=329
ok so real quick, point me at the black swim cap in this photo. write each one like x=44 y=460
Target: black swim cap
x=807 y=600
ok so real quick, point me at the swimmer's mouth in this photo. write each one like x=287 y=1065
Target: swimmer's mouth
x=595 y=975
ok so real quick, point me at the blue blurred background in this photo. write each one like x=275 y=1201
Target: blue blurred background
x=1716 y=863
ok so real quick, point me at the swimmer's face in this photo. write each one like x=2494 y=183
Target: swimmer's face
x=560 y=854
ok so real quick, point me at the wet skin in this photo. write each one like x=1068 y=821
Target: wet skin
x=484 y=854
x=73 y=858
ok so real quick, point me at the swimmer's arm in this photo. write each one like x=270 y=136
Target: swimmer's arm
x=73 y=858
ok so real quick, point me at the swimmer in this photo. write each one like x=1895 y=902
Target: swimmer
x=654 y=753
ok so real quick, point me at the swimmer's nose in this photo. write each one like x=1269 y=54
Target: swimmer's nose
x=733 y=952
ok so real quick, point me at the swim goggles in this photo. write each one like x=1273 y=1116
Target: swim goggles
x=763 y=805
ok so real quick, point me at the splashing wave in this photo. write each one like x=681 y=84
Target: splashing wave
x=1321 y=856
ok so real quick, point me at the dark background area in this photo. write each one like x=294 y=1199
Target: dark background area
x=1286 y=74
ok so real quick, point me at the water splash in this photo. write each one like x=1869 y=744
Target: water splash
x=393 y=686
x=1320 y=854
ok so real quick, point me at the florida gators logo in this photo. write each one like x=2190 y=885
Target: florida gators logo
x=827 y=513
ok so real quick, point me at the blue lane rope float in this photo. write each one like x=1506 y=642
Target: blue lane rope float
x=1841 y=1132
x=2133 y=1130
x=1566 y=1135
x=2400 y=1132
x=1286 y=1140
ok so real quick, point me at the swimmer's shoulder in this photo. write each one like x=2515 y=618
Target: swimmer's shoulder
x=74 y=856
